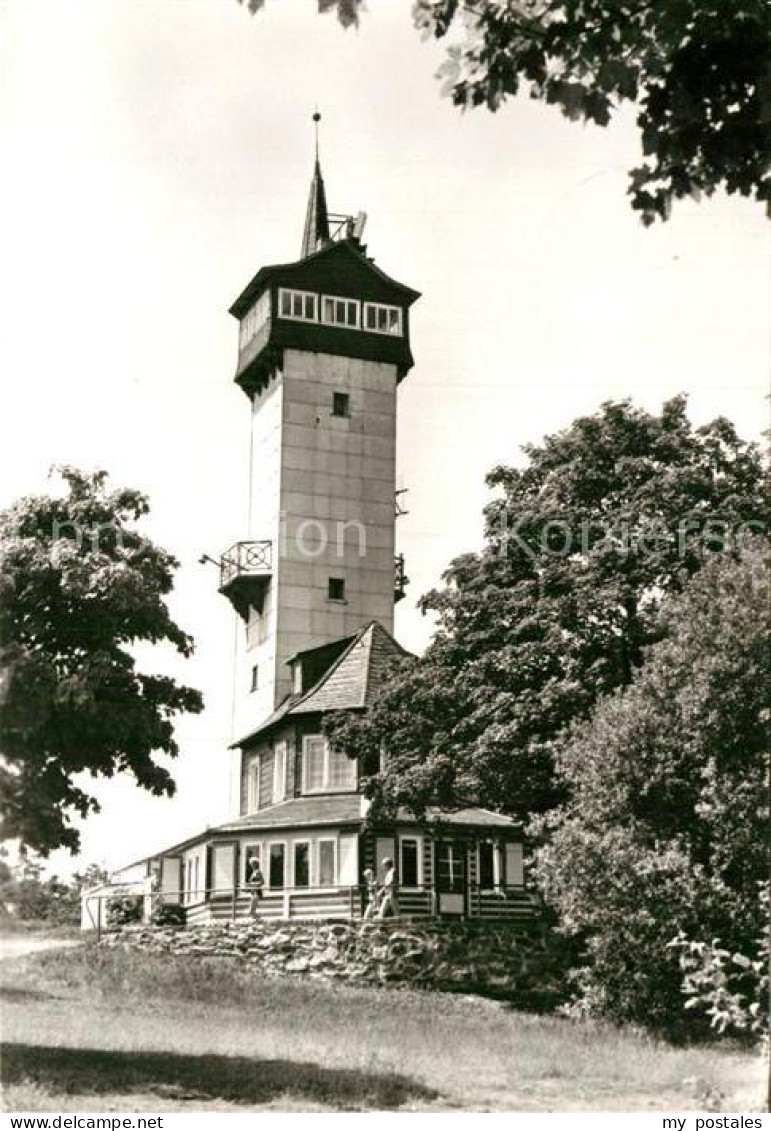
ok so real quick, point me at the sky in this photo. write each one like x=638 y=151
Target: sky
x=158 y=152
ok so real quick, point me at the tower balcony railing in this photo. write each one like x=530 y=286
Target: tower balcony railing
x=245 y=559
x=245 y=572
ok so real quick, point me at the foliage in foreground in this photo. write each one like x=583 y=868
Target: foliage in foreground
x=734 y=990
x=79 y=587
x=665 y=832
x=169 y=915
x=555 y=612
x=124 y=908
x=699 y=72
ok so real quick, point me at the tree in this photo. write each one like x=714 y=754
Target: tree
x=699 y=72
x=30 y=896
x=556 y=610
x=347 y=10
x=666 y=828
x=79 y=586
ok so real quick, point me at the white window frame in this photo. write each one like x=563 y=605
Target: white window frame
x=253 y=774
x=348 y=855
x=512 y=844
x=292 y=291
x=496 y=865
x=351 y=766
x=295 y=845
x=254 y=319
x=326 y=840
x=419 y=842
x=266 y=874
x=455 y=860
x=398 y=333
x=340 y=325
x=279 y=779
x=325 y=787
x=307 y=739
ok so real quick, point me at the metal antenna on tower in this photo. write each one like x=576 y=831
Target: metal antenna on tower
x=316 y=120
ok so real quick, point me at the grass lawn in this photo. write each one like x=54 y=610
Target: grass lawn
x=11 y=927
x=94 y=1029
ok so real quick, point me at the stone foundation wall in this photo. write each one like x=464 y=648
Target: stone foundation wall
x=509 y=960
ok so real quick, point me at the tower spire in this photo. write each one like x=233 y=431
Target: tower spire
x=316 y=231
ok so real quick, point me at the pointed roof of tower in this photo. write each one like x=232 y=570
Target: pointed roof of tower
x=316 y=232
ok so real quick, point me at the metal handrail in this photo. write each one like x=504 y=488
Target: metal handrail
x=244 y=558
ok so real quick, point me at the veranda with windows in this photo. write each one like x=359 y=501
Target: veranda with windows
x=316 y=871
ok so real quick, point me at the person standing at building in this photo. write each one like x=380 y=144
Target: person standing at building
x=370 y=884
x=387 y=894
x=255 y=882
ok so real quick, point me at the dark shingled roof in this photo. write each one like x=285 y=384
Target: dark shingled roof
x=348 y=250
x=322 y=810
x=356 y=677
x=317 y=810
x=484 y=817
x=339 y=808
x=353 y=681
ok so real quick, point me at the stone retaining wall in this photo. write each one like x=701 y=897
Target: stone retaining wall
x=507 y=959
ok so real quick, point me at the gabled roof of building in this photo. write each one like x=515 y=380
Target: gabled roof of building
x=356 y=677
x=352 y=682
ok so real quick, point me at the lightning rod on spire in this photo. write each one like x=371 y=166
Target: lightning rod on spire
x=316 y=120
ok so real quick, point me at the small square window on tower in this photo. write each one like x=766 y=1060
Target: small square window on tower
x=336 y=589
x=340 y=404
x=255 y=678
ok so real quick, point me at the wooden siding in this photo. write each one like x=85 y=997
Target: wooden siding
x=367 y=851
x=266 y=778
x=289 y=736
x=348 y=903
x=473 y=877
x=417 y=904
x=513 y=904
x=428 y=861
x=248 y=758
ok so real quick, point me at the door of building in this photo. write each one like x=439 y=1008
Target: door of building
x=451 y=877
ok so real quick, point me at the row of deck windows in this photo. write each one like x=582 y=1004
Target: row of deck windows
x=324 y=770
x=330 y=859
x=323 y=862
x=315 y=862
x=333 y=310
